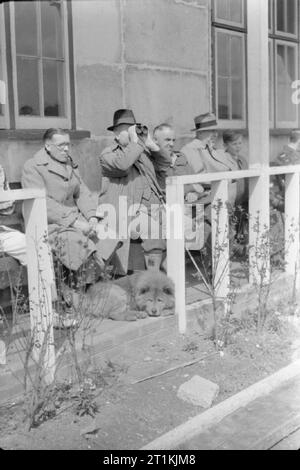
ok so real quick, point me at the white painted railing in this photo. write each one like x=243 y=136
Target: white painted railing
x=40 y=274
x=259 y=220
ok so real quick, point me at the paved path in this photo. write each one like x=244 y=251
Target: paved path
x=269 y=422
x=291 y=442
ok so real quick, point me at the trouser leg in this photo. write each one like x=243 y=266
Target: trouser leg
x=149 y=226
x=14 y=244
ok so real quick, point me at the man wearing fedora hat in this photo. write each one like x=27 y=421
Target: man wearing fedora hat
x=127 y=171
x=200 y=152
x=204 y=158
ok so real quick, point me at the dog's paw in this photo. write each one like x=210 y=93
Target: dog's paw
x=141 y=314
x=130 y=316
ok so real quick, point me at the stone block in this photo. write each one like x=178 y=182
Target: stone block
x=95 y=25
x=86 y=153
x=198 y=391
x=98 y=95
x=160 y=96
x=167 y=33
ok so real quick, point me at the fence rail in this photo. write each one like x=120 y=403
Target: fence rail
x=259 y=224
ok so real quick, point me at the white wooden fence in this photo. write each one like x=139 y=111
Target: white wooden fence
x=259 y=220
x=40 y=275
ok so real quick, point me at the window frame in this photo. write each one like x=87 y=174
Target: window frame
x=42 y=122
x=4 y=119
x=233 y=123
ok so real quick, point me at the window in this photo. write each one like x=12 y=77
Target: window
x=283 y=61
x=39 y=90
x=229 y=27
x=230 y=53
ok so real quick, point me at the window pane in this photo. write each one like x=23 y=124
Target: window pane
x=291 y=17
x=223 y=99
x=28 y=86
x=237 y=99
x=53 y=74
x=229 y=10
x=221 y=9
x=236 y=11
x=286 y=66
x=230 y=69
x=270 y=81
x=236 y=57
x=51 y=29
x=26 y=28
x=223 y=54
x=280 y=15
x=287 y=16
x=2 y=84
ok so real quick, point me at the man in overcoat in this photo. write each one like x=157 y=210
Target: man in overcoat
x=71 y=207
x=128 y=175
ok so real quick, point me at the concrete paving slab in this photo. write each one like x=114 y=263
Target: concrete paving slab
x=273 y=387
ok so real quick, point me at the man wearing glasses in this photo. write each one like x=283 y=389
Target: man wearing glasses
x=71 y=207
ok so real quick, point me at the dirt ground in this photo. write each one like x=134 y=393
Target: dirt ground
x=132 y=414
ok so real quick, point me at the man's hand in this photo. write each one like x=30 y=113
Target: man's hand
x=83 y=226
x=132 y=134
x=191 y=197
x=150 y=144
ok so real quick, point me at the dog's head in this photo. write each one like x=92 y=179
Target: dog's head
x=154 y=293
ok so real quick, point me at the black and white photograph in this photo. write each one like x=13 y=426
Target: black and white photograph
x=149 y=227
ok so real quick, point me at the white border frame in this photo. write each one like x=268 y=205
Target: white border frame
x=4 y=119
x=232 y=123
x=285 y=124
x=32 y=122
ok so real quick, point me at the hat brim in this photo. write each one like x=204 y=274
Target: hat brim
x=208 y=128
x=111 y=128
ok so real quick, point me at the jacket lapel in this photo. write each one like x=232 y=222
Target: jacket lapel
x=60 y=169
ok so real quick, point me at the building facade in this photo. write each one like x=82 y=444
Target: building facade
x=73 y=63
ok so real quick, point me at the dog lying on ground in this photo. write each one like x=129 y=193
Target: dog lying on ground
x=137 y=296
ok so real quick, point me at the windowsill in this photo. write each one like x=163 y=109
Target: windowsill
x=281 y=131
x=37 y=134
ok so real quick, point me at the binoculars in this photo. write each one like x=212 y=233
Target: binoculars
x=141 y=131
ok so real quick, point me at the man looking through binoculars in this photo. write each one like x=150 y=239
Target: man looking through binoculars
x=127 y=170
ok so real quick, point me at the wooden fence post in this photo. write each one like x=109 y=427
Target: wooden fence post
x=259 y=224
x=220 y=239
x=40 y=278
x=292 y=199
x=175 y=246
